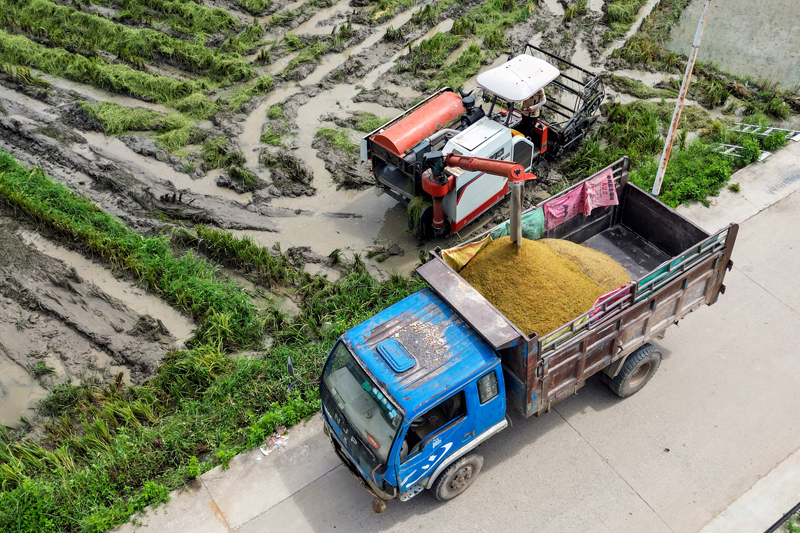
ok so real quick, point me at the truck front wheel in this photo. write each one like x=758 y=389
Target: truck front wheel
x=457 y=477
x=639 y=367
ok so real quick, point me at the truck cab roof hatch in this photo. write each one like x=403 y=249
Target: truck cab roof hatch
x=395 y=354
x=518 y=79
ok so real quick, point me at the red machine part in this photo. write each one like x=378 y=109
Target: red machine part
x=439 y=186
x=513 y=171
x=422 y=123
x=433 y=185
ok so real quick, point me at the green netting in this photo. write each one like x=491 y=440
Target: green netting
x=532 y=226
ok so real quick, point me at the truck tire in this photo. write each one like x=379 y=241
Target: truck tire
x=639 y=367
x=457 y=477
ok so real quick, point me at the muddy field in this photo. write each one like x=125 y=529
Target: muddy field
x=757 y=39
x=246 y=120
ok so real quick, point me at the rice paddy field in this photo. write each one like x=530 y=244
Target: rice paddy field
x=182 y=208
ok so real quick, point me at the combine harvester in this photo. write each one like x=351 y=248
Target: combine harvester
x=448 y=123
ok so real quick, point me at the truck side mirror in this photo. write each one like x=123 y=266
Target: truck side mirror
x=290 y=367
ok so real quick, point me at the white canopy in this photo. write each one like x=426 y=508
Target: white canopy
x=519 y=78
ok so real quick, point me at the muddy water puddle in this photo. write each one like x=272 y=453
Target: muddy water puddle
x=135 y=298
x=555 y=7
x=181 y=181
x=19 y=392
x=312 y=26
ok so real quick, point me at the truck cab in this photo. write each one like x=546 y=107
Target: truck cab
x=409 y=391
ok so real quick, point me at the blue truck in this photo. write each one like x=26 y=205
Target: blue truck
x=409 y=395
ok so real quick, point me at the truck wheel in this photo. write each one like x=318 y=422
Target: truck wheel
x=457 y=477
x=639 y=367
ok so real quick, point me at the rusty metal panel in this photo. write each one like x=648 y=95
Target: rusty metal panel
x=476 y=310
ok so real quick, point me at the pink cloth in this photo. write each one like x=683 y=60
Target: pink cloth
x=611 y=297
x=564 y=208
x=600 y=192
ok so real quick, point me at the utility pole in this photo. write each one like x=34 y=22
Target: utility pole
x=676 y=116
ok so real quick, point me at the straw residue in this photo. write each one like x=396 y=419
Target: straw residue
x=543 y=284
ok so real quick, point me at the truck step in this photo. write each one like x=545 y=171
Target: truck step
x=763 y=131
x=410 y=493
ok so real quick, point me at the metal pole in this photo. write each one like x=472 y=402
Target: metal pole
x=676 y=116
x=515 y=218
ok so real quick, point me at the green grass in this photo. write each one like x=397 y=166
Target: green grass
x=384 y=10
x=83 y=33
x=109 y=450
x=337 y=138
x=220 y=153
x=173 y=131
x=255 y=7
x=244 y=93
x=188 y=18
x=620 y=16
x=429 y=53
x=638 y=88
x=578 y=9
x=367 y=122
x=455 y=75
x=695 y=171
x=21 y=51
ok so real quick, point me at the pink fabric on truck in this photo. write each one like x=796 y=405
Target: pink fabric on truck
x=610 y=298
x=600 y=192
x=564 y=208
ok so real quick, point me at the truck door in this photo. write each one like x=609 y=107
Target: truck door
x=433 y=436
x=490 y=402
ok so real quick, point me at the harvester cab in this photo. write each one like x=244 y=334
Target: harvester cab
x=524 y=115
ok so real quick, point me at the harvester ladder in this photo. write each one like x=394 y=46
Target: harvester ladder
x=764 y=131
x=733 y=150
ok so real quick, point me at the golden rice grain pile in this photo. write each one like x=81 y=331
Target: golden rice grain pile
x=600 y=268
x=543 y=284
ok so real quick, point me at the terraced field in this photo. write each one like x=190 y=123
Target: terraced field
x=182 y=207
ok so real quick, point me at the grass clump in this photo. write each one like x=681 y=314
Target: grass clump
x=255 y=7
x=430 y=53
x=638 y=88
x=578 y=9
x=620 y=16
x=173 y=131
x=337 y=138
x=460 y=71
x=220 y=153
x=367 y=122
x=243 y=94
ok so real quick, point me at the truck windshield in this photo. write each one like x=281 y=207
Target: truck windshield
x=367 y=409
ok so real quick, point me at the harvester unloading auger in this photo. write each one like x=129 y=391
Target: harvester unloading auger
x=534 y=109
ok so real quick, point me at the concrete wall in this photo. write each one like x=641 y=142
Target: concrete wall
x=758 y=38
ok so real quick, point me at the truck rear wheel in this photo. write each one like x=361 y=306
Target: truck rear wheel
x=639 y=367
x=457 y=477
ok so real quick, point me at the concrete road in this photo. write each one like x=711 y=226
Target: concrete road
x=720 y=414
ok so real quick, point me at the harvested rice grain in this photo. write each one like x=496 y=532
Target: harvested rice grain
x=599 y=267
x=542 y=284
x=534 y=287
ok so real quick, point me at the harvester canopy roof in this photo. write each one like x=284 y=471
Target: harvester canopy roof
x=519 y=78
